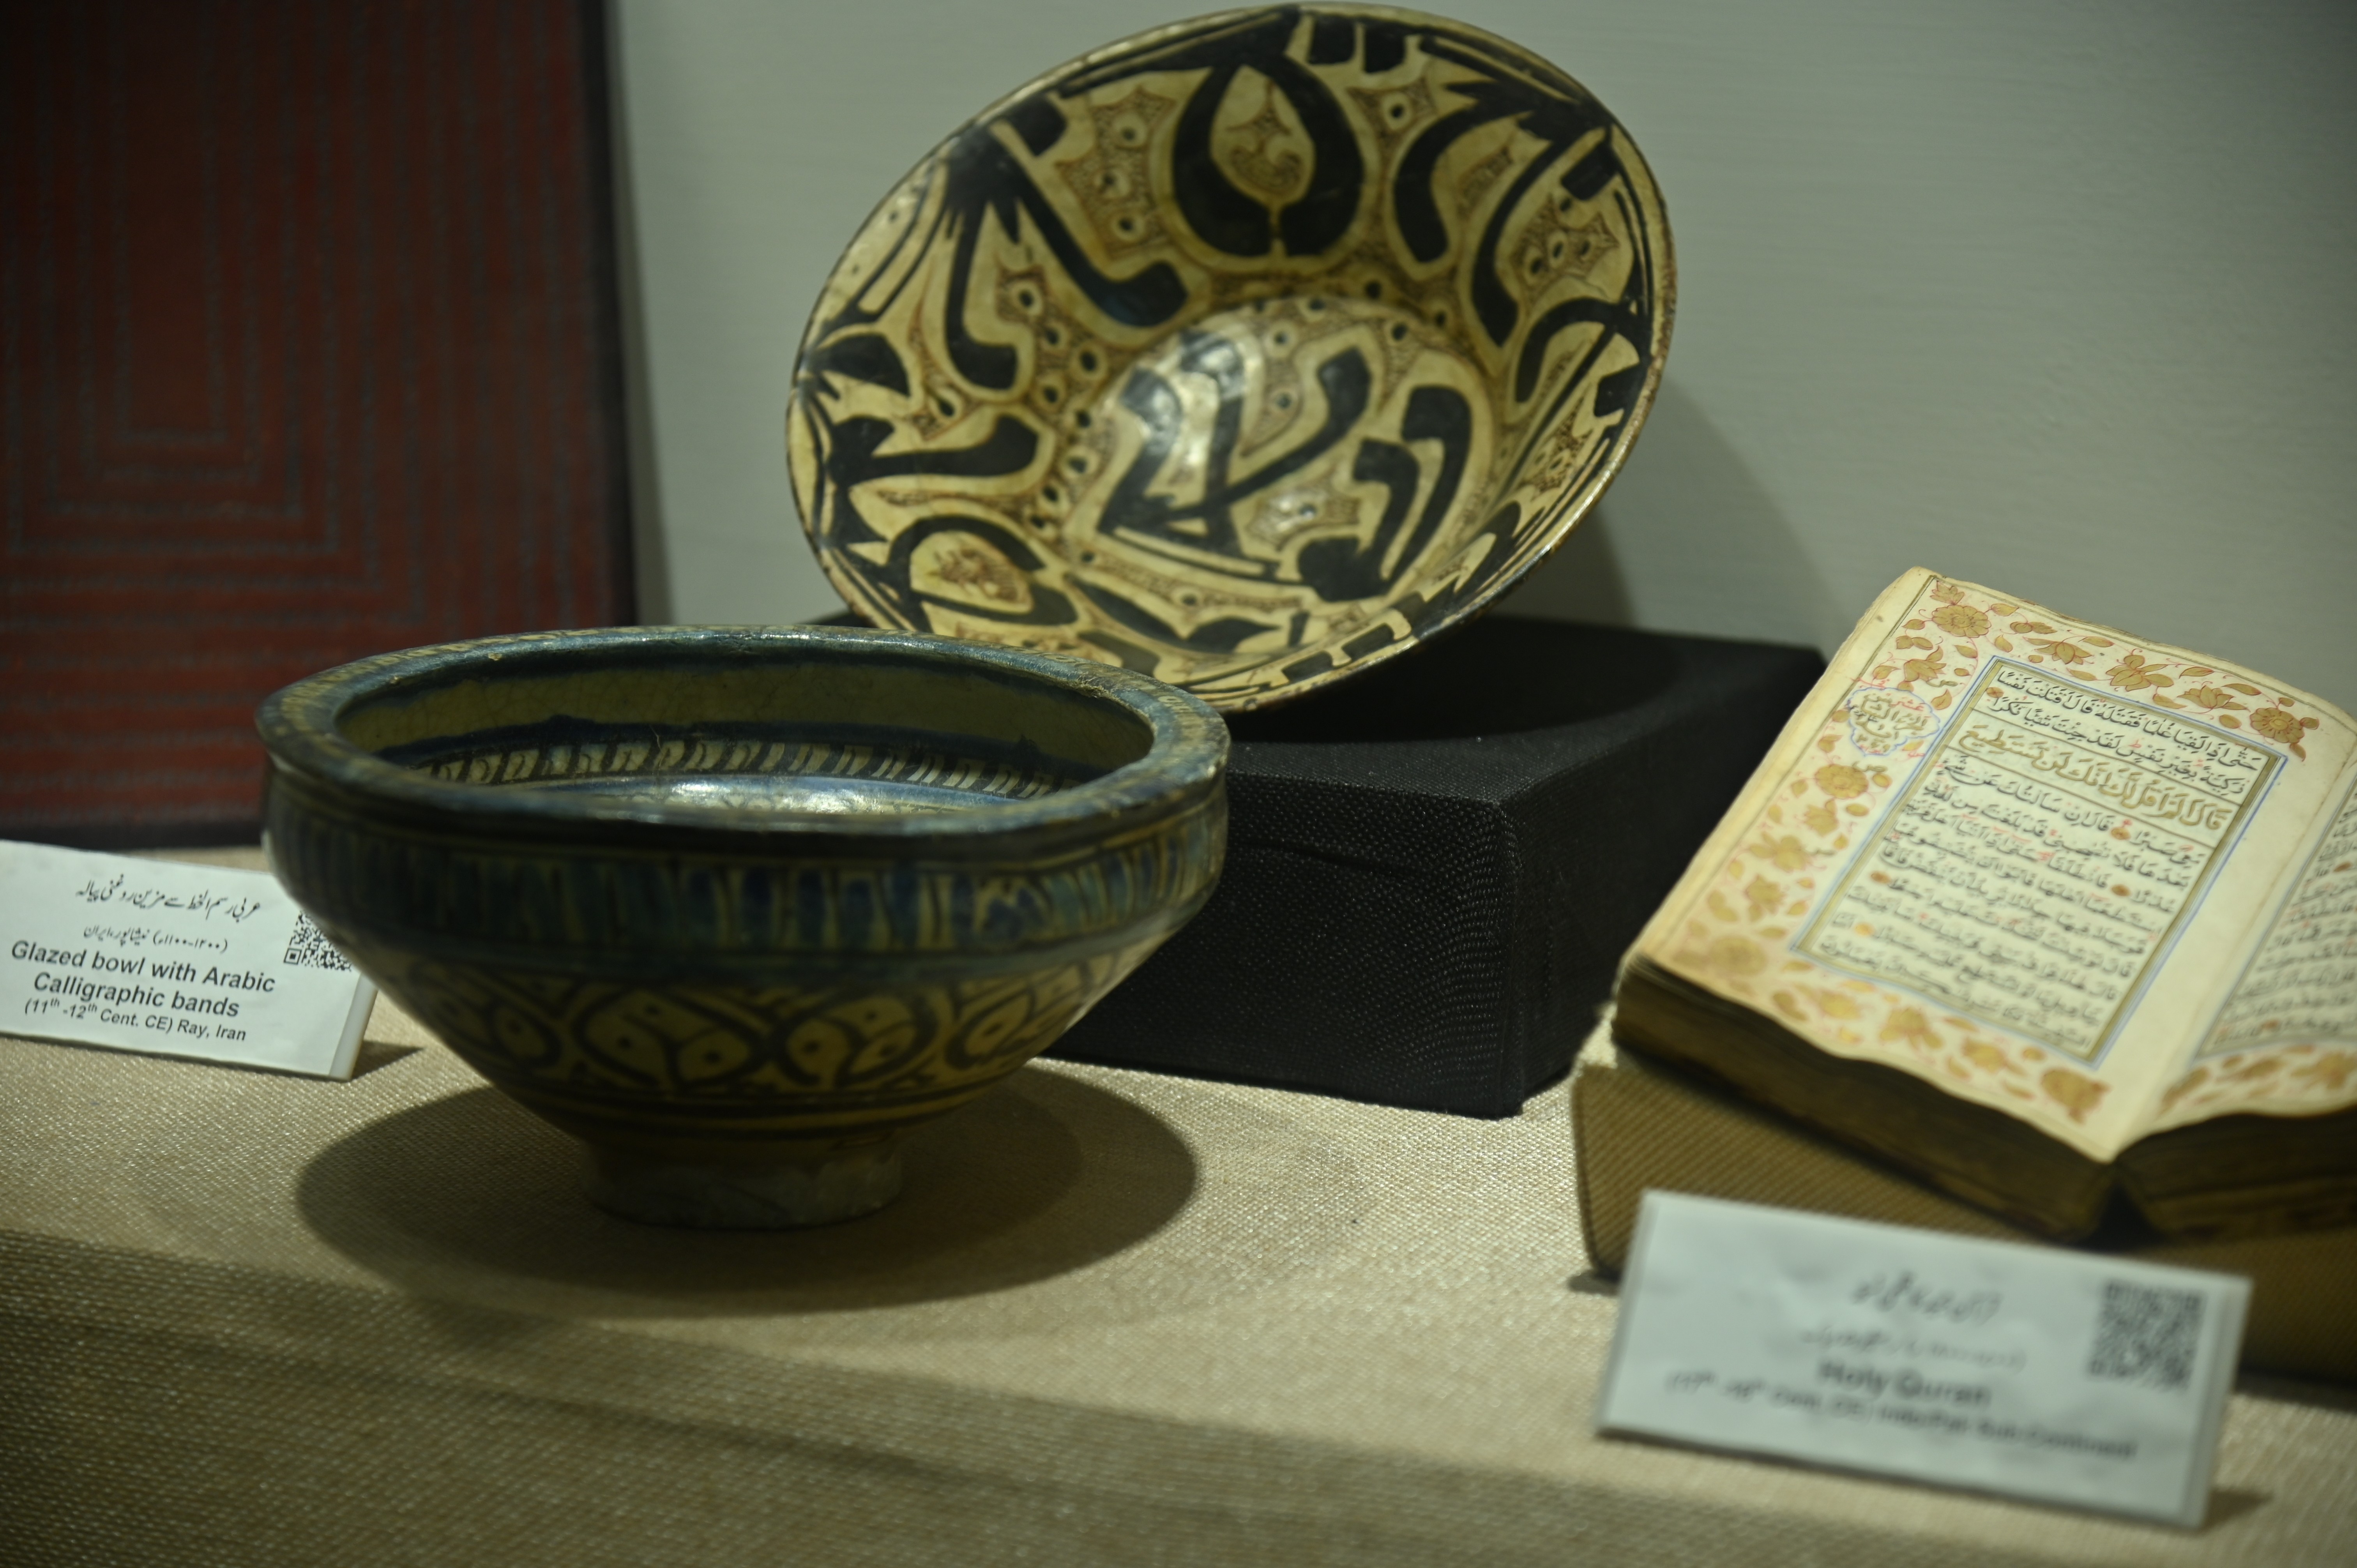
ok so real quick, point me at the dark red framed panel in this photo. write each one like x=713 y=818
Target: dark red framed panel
x=308 y=350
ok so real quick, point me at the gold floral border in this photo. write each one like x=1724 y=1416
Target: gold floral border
x=1734 y=937
x=2293 y=1080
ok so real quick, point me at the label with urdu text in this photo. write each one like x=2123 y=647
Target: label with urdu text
x=2035 y=1372
x=204 y=962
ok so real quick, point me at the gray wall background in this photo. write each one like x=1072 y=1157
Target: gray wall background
x=2054 y=295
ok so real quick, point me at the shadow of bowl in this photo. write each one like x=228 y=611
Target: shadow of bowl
x=471 y=1197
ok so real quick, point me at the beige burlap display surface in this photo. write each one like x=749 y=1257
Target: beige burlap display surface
x=1115 y=1319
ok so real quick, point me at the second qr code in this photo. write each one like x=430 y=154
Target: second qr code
x=308 y=948
x=2147 y=1335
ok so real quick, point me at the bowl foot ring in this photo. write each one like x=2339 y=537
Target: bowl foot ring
x=777 y=1197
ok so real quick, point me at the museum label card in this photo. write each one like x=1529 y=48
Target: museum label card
x=2038 y=1373
x=185 y=961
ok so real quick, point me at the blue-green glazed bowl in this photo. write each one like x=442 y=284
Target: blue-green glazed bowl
x=740 y=907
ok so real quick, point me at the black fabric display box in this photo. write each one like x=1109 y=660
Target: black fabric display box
x=1433 y=870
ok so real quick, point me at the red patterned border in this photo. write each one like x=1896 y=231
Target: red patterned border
x=308 y=351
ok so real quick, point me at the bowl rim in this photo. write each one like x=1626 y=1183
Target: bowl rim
x=1571 y=510
x=1186 y=752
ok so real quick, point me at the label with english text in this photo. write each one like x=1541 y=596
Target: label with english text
x=2034 y=1372
x=203 y=961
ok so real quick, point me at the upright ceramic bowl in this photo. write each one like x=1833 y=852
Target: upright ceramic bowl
x=739 y=906
x=1246 y=353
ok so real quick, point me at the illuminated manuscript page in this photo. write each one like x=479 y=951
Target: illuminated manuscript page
x=2285 y=1039
x=2010 y=854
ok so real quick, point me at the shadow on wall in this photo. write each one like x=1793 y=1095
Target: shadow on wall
x=1689 y=539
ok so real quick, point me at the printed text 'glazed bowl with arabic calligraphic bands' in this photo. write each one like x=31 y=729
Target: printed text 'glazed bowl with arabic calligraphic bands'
x=1244 y=353
x=738 y=907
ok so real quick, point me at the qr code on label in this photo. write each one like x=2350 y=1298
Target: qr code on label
x=2147 y=1335
x=307 y=949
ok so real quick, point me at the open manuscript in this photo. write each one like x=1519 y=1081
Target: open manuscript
x=2038 y=910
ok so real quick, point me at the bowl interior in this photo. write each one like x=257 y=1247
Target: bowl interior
x=1242 y=353
x=700 y=723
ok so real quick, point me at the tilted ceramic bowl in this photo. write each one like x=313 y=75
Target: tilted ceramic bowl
x=1245 y=353
x=739 y=906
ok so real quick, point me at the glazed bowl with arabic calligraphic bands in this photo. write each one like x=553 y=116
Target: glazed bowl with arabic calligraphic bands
x=1246 y=353
x=739 y=906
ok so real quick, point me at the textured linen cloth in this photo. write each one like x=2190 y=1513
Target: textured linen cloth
x=1114 y=1317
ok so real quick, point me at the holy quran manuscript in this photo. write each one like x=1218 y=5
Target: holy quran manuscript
x=2040 y=911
